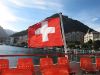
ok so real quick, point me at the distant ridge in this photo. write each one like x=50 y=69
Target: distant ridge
x=24 y=32
x=9 y=32
x=3 y=34
x=70 y=25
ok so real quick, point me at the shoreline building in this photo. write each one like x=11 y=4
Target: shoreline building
x=75 y=36
x=91 y=36
x=18 y=38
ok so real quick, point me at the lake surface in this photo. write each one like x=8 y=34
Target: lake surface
x=10 y=50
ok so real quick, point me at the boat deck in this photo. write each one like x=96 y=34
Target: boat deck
x=74 y=67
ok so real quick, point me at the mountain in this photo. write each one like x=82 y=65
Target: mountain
x=9 y=32
x=69 y=24
x=3 y=34
x=24 y=32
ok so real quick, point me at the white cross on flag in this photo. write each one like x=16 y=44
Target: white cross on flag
x=45 y=34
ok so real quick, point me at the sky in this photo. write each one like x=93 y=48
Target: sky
x=18 y=15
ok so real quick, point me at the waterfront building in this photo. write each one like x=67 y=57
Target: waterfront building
x=18 y=39
x=91 y=36
x=70 y=37
x=75 y=36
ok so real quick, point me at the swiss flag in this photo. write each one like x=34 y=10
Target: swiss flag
x=45 y=34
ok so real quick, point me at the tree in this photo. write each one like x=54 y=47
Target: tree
x=77 y=42
x=90 y=42
x=72 y=45
x=85 y=45
x=96 y=44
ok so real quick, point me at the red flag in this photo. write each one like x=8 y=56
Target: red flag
x=45 y=34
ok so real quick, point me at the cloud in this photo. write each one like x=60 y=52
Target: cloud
x=25 y=3
x=5 y=14
x=10 y=10
x=38 y=4
x=8 y=19
x=95 y=19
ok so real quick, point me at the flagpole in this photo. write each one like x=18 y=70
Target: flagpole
x=63 y=34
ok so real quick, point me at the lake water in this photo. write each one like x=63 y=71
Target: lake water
x=10 y=50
